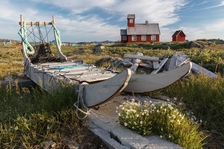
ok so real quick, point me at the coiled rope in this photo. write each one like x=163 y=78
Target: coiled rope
x=29 y=49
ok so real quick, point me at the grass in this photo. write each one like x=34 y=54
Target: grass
x=204 y=97
x=11 y=60
x=30 y=117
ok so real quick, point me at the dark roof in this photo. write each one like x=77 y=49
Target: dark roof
x=123 y=32
x=178 y=32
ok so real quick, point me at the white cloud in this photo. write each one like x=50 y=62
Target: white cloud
x=78 y=6
x=156 y=11
x=215 y=26
x=87 y=30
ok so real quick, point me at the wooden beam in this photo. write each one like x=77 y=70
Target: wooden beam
x=36 y=23
x=141 y=57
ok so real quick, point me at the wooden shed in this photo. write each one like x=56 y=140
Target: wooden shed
x=139 y=32
x=178 y=36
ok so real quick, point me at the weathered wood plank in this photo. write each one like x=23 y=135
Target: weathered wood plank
x=162 y=63
x=198 y=69
x=155 y=65
x=172 y=62
x=132 y=56
x=135 y=65
x=146 y=65
x=195 y=67
x=36 y=23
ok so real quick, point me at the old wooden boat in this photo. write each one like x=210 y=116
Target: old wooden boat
x=49 y=71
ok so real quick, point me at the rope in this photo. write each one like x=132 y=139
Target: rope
x=86 y=111
x=57 y=34
x=28 y=47
x=80 y=101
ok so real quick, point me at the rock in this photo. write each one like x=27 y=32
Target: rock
x=49 y=145
x=72 y=145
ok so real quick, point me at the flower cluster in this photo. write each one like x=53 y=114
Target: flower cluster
x=166 y=120
x=135 y=116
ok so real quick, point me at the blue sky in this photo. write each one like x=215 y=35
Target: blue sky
x=95 y=20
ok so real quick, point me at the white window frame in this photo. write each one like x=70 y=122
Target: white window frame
x=124 y=38
x=134 y=38
x=143 y=37
x=131 y=21
x=153 y=37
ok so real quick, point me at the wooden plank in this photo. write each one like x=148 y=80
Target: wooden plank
x=198 y=69
x=135 y=65
x=155 y=65
x=141 y=57
x=141 y=83
x=162 y=63
x=172 y=62
x=36 y=23
x=146 y=65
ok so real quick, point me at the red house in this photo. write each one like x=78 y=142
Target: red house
x=145 y=32
x=178 y=36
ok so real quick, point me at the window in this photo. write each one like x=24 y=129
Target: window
x=131 y=21
x=124 y=37
x=134 y=38
x=153 y=37
x=143 y=37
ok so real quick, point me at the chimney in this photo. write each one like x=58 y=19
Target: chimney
x=146 y=22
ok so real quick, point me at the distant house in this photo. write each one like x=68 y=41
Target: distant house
x=145 y=32
x=6 y=42
x=178 y=36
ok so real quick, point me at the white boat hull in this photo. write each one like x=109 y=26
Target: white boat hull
x=141 y=83
x=97 y=93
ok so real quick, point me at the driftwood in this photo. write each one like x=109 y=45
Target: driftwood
x=162 y=63
x=131 y=56
x=153 y=65
x=195 y=67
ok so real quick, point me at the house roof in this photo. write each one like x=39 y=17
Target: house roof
x=123 y=32
x=178 y=32
x=131 y=16
x=144 y=29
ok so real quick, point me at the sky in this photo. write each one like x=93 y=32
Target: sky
x=95 y=20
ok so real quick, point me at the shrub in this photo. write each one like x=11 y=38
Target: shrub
x=163 y=119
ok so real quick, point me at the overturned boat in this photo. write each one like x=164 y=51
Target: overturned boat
x=96 y=85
